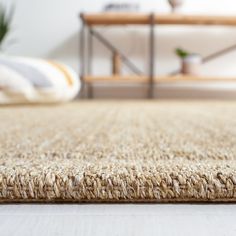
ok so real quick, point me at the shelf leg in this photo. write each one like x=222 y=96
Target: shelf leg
x=90 y=90
x=90 y=53
x=82 y=55
x=89 y=61
x=152 y=57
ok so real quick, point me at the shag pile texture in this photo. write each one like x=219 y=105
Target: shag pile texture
x=126 y=151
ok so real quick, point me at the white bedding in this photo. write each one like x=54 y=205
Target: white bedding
x=27 y=80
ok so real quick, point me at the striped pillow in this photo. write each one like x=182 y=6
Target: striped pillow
x=25 y=80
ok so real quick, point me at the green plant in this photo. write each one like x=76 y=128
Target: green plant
x=5 y=22
x=181 y=53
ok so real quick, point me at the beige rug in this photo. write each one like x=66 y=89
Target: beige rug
x=119 y=152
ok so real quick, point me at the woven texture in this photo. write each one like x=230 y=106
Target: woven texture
x=119 y=152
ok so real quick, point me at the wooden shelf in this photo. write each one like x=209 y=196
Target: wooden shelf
x=160 y=79
x=165 y=19
x=112 y=79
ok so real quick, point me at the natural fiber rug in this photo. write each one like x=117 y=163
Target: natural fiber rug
x=119 y=152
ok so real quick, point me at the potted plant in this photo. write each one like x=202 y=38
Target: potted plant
x=5 y=23
x=191 y=62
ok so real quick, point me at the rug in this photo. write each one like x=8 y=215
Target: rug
x=119 y=151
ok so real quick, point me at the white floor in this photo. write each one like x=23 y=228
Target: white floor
x=112 y=220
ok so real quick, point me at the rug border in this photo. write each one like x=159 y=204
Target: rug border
x=141 y=201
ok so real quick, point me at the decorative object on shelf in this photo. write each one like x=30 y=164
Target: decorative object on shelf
x=121 y=7
x=175 y=4
x=5 y=23
x=191 y=62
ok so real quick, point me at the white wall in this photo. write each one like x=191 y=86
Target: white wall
x=49 y=29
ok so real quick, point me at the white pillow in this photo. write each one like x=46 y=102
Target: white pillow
x=24 y=80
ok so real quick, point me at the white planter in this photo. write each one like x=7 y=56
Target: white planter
x=191 y=65
x=175 y=4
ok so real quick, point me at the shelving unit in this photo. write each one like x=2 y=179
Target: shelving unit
x=90 y=21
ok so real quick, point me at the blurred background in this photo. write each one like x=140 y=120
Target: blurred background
x=51 y=29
